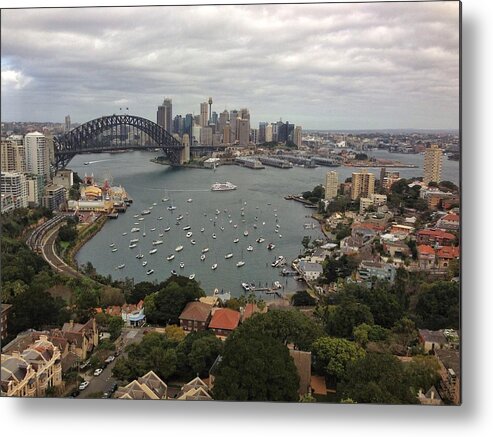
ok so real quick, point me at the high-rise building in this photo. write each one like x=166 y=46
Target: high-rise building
x=261 y=132
x=14 y=184
x=178 y=125
x=165 y=115
x=35 y=189
x=227 y=134
x=233 y=121
x=243 y=132
x=187 y=124
x=214 y=118
x=254 y=136
x=432 y=164
x=195 y=134
x=54 y=197
x=362 y=184
x=244 y=114
x=223 y=119
x=37 y=155
x=68 y=124
x=204 y=114
x=209 y=120
x=331 y=185
x=268 y=133
x=206 y=136
x=13 y=154
x=297 y=136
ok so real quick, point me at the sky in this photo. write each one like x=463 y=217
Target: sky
x=321 y=66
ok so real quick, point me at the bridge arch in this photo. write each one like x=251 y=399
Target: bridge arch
x=81 y=139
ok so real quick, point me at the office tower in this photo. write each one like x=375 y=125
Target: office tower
x=187 y=124
x=297 y=136
x=214 y=118
x=165 y=115
x=261 y=132
x=178 y=124
x=67 y=123
x=233 y=121
x=432 y=164
x=289 y=132
x=243 y=132
x=275 y=128
x=227 y=134
x=12 y=154
x=254 y=136
x=268 y=133
x=362 y=184
x=206 y=136
x=282 y=132
x=196 y=134
x=14 y=184
x=223 y=119
x=331 y=185
x=37 y=155
x=244 y=114
x=204 y=116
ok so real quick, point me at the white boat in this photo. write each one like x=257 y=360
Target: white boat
x=152 y=251
x=136 y=216
x=150 y=272
x=193 y=242
x=173 y=272
x=139 y=256
x=151 y=207
x=250 y=248
x=277 y=284
x=276 y=230
x=271 y=246
x=228 y=256
x=167 y=229
x=202 y=257
x=161 y=234
x=236 y=240
x=144 y=263
x=159 y=218
x=164 y=199
x=245 y=286
x=277 y=262
x=170 y=257
x=114 y=249
x=278 y=226
x=113 y=244
x=202 y=230
x=192 y=276
x=214 y=266
x=260 y=240
x=153 y=229
x=186 y=228
x=245 y=233
x=154 y=204
x=179 y=248
x=240 y=263
x=205 y=250
x=235 y=226
x=180 y=217
x=171 y=208
x=145 y=212
x=124 y=234
x=222 y=228
x=135 y=230
x=141 y=219
x=189 y=234
x=280 y=235
x=134 y=240
x=132 y=246
x=182 y=265
x=121 y=266
x=214 y=236
x=189 y=200
x=157 y=242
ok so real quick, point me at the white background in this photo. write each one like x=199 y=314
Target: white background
x=98 y=417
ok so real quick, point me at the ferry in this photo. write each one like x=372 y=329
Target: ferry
x=135 y=230
x=205 y=250
x=145 y=212
x=189 y=234
x=236 y=240
x=144 y=263
x=135 y=240
x=228 y=256
x=173 y=272
x=114 y=249
x=157 y=242
x=214 y=266
x=192 y=276
x=152 y=251
x=240 y=263
x=170 y=257
x=179 y=248
x=186 y=228
x=182 y=265
x=150 y=272
x=202 y=257
x=271 y=246
x=250 y=248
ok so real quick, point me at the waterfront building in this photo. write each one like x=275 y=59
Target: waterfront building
x=204 y=114
x=369 y=270
x=297 y=136
x=14 y=184
x=54 y=197
x=331 y=185
x=249 y=162
x=68 y=124
x=195 y=316
x=12 y=155
x=310 y=271
x=432 y=170
x=362 y=184
x=224 y=321
x=275 y=162
x=165 y=114
x=37 y=154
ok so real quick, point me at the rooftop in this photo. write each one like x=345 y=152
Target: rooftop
x=225 y=318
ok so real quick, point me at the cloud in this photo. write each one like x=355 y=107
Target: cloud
x=368 y=65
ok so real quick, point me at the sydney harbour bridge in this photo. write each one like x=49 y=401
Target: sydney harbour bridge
x=110 y=133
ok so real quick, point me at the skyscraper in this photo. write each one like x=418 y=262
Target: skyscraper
x=233 y=121
x=210 y=110
x=37 y=161
x=15 y=185
x=13 y=155
x=432 y=164
x=331 y=185
x=243 y=126
x=165 y=115
x=362 y=184
x=68 y=124
x=268 y=133
x=297 y=136
x=204 y=114
x=223 y=120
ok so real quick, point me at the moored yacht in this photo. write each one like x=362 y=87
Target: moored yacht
x=170 y=257
x=228 y=256
x=179 y=248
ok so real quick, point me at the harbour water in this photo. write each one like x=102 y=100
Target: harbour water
x=259 y=196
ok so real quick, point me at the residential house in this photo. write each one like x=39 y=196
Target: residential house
x=446 y=254
x=250 y=309
x=397 y=249
x=401 y=231
x=450 y=222
x=224 y=321
x=449 y=388
x=431 y=340
x=32 y=372
x=195 y=316
x=426 y=257
x=431 y=397
x=83 y=337
x=435 y=236
x=310 y=271
x=369 y=270
x=147 y=387
x=195 y=390
x=133 y=315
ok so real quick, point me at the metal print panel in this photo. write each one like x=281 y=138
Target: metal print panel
x=233 y=203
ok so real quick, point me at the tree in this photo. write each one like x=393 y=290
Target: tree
x=255 y=367
x=438 y=306
x=140 y=291
x=68 y=233
x=339 y=268
x=303 y=298
x=112 y=296
x=115 y=325
x=364 y=333
x=341 y=320
x=332 y=355
x=423 y=372
x=174 y=333
x=203 y=353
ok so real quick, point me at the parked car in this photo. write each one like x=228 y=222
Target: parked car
x=83 y=385
x=109 y=359
x=98 y=372
x=106 y=395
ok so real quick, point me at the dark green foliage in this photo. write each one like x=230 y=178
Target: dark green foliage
x=68 y=233
x=341 y=268
x=255 y=367
x=315 y=195
x=402 y=196
x=303 y=298
x=115 y=325
x=438 y=306
x=141 y=290
x=361 y=156
x=341 y=320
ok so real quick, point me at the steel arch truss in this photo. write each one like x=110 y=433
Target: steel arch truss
x=82 y=138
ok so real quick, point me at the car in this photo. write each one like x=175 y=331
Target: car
x=109 y=359
x=106 y=395
x=98 y=372
x=83 y=385
x=114 y=387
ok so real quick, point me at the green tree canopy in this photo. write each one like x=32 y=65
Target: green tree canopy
x=341 y=319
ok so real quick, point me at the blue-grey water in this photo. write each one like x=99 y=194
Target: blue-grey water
x=260 y=193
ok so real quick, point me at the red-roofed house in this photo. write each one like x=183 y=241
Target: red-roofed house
x=224 y=321
x=446 y=254
x=426 y=257
x=450 y=222
x=432 y=236
x=250 y=310
x=195 y=316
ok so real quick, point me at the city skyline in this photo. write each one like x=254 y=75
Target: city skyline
x=352 y=66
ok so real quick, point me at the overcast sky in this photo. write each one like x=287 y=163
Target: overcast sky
x=322 y=66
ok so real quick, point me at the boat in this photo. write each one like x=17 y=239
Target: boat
x=214 y=266
x=167 y=229
x=170 y=257
x=192 y=276
x=240 y=263
x=135 y=230
x=250 y=248
x=154 y=204
x=236 y=240
x=114 y=249
x=134 y=240
x=139 y=256
x=226 y=186
x=153 y=229
x=121 y=266
x=245 y=286
x=113 y=244
x=228 y=256
x=173 y=272
x=145 y=212
x=157 y=242
x=171 y=208
x=278 y=226
x=222 y=228
x=202 y=257
x=189 y=200
x=182 y=265
x=245 y=233
x=218 y=212
x=260 y=240
x=151 y=207
x=150 y=272
x=141 y=219
x=280 y=235
x=86 y=163
x=131 y=246
x=124 y=234
x=205 y=250
x=164 y=199
x=144 y=263
x=254 y=226
x=159 y=218
x=161 y=234
x=180 y=217
x=214 y=236
x=277 y=284
x=193 y=242
x=186 y=228
x=271 y=246
x=152 y=251
x=276 y=230
x=202 y=230
x=235 y=226
x=189 y=234
x=179 y=248
x=277 y=262
x=144 y=233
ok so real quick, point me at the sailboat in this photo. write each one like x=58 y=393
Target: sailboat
x=144 y=233
x=240 y=263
